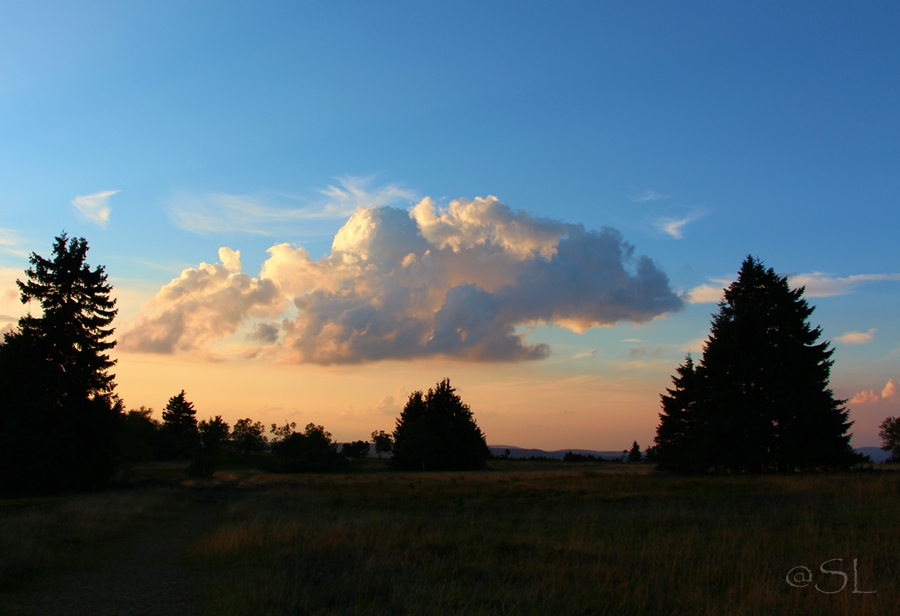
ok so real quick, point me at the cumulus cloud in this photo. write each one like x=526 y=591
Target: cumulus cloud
x=268 y=214
x=821 y=285
x=454 y=281
x=266 y=333
x=95 y=207
x=204 y=303
x=865 y=397
x=870 y=396
x=856 y=337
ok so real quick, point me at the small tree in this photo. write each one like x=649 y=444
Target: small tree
x=248 y=436
x=180 y=426
x=138 y=436
x=384 y=442
x=356 y=449
x=307 y=451
x=437 y=431
x=280 y=433
x=889 y=431
x=212 y=436
x=634 y=454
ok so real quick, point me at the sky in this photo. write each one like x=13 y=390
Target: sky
x=310 y=210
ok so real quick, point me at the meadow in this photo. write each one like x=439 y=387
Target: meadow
x=518 y=538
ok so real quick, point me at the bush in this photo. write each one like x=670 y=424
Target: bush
x=309 y=451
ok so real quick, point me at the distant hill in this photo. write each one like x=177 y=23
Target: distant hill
x=875 y=453
x=518 y=452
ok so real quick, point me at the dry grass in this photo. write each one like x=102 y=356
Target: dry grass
x=41 y=534
x=560 y=539
x=555 y=542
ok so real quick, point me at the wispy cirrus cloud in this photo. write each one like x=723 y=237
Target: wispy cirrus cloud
x=816 y=284
x=673 y=226
x=822 y=285
x=11 y=243
x=95 y=207
x=856 y=337
x=268 y=214
x=648 y=195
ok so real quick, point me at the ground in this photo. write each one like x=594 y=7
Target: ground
x=518 y=538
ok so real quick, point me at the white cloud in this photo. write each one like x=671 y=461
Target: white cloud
x=204 y=303
x=816 y=284
x=268 y=215
x=95 y=207
x=856 y=337
x=865 y=397
x=648 y=195
x=455 y=281
x=10 y=243
x=673 y=226
x=890 y=389
x=821 y=285
x=709 y=293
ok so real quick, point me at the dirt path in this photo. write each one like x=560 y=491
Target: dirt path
x=142 y=573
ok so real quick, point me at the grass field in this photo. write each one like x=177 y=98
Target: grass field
x=519 y=538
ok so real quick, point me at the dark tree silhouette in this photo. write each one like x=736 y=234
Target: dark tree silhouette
x=437 y=431
x=180 y=426
x=280 y=433
x=759 y=400
x=309 y=451
x=212 y=435
x=634 y=454
x=889 y=432
x=356 y=449
x=384 y=442
x=139 y=437
x=248 y=436
x=59 y=416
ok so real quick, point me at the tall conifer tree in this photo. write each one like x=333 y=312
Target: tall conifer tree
x=58 y=412
x=759 y=399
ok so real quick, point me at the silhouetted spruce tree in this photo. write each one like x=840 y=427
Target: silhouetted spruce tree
x=634 y=454
x=180 y=427
x=759 y=401
x=437 y=431
x=58 y=414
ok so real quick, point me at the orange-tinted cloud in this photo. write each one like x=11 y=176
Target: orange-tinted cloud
x=865 y=397
x=890 y=389
x=453 y=281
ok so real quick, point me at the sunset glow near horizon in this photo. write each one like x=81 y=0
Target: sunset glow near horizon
x=308 y=213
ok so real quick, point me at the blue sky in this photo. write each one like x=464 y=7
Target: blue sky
x=700 y=131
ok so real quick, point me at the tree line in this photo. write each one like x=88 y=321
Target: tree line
x=757 y=401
